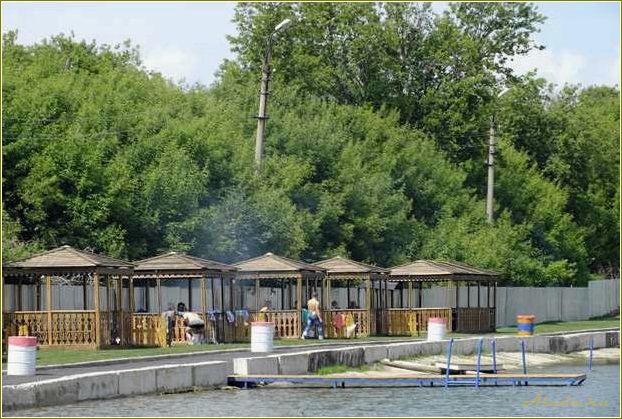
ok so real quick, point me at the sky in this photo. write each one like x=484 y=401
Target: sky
x=187 y=40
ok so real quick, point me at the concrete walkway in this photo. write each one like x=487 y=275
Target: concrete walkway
x=50 y=372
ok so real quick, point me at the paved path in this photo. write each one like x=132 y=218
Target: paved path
x=47 y=373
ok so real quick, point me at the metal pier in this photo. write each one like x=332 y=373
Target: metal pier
x=415 y=380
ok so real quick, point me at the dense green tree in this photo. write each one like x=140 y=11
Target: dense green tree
x=374 y=147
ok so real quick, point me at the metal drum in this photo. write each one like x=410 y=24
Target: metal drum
x=22 y=357
x=525 y=324
x=437 y=326
x=262 y=335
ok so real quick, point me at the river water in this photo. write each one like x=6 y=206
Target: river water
x=599 y=395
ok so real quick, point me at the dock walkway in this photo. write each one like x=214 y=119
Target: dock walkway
x=414 y=380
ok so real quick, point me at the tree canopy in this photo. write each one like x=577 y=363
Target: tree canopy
x=375 y=146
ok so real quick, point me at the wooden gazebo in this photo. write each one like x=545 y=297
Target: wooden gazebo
x=462 y=313
x=161 y=282
x=354 y=277
x=289 y=281
x=68 y=297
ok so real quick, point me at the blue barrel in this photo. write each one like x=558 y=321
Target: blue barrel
x=525 y=324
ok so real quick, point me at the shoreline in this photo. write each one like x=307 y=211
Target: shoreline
x=510 y=361
x=175 y=378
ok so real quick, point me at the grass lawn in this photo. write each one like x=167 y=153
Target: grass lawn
x=52 y=356
x=340 y=369
x=48 y=356
x=548 y=327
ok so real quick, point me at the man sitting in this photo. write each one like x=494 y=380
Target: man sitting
x=195 y=327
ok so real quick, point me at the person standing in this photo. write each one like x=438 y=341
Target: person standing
x=315 y=317
x=263 y=312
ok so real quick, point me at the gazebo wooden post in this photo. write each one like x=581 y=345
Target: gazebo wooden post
x=84 y=298
x=420 y=294
x=97 y=309
x=494 y=299
x=108 y=308
x=368 y=284
x=468 y=285
x=120 y=320
x=478 y=300
x=386 y=294
x=257 y=289
x=19 y=304
x=130 y=305
x=222 y=303
x=203 y=297
x=299 y=293
x=159 y=287
x=348 y=293
x=213 y=287
x=359 y=290
x=299 y=304
x=48 y=298
x=242 y=296
x=232 y=305
x=147 y=296
x=456 y=327
x=282 y=295
x=190 y=294
x=487 y=294
x=37 y=293
x=410 y=294
x=131 y=295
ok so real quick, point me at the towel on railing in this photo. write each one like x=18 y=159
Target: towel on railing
x=350 y=325
x=241 y=317
x=339 y=321
x=230 y=317
x=211 y=315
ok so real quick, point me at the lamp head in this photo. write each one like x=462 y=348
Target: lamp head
x=504 y=91
x=282 y=26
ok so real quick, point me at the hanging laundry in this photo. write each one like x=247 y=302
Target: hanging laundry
x=350 y=325
x=230 y=317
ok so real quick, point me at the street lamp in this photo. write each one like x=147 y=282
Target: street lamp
x=491 y=164
x=263 y=95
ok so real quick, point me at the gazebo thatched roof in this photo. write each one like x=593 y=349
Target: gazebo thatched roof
x=341 y=268
x=274 y=266
x=428 y=270
x=66 y=259
x=179 y=264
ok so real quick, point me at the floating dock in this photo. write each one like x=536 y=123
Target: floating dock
x=415 y=380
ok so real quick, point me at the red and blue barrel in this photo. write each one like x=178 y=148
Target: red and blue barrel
x=526 y=324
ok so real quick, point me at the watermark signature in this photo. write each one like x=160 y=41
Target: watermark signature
x=544 y=401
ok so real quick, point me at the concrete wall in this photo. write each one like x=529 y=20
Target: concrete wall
x=311 y=361
x=110 y=384
x=184 y=377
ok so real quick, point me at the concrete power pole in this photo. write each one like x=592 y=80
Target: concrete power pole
x=491 y=171
x=263 y=95
x=263 y=106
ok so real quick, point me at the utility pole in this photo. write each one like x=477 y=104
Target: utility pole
x=266 y=71
x=491 y=171
x=263 y=105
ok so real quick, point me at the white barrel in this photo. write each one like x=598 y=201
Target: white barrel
x=262 y=336
x=437 y=327
x=22 y=358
